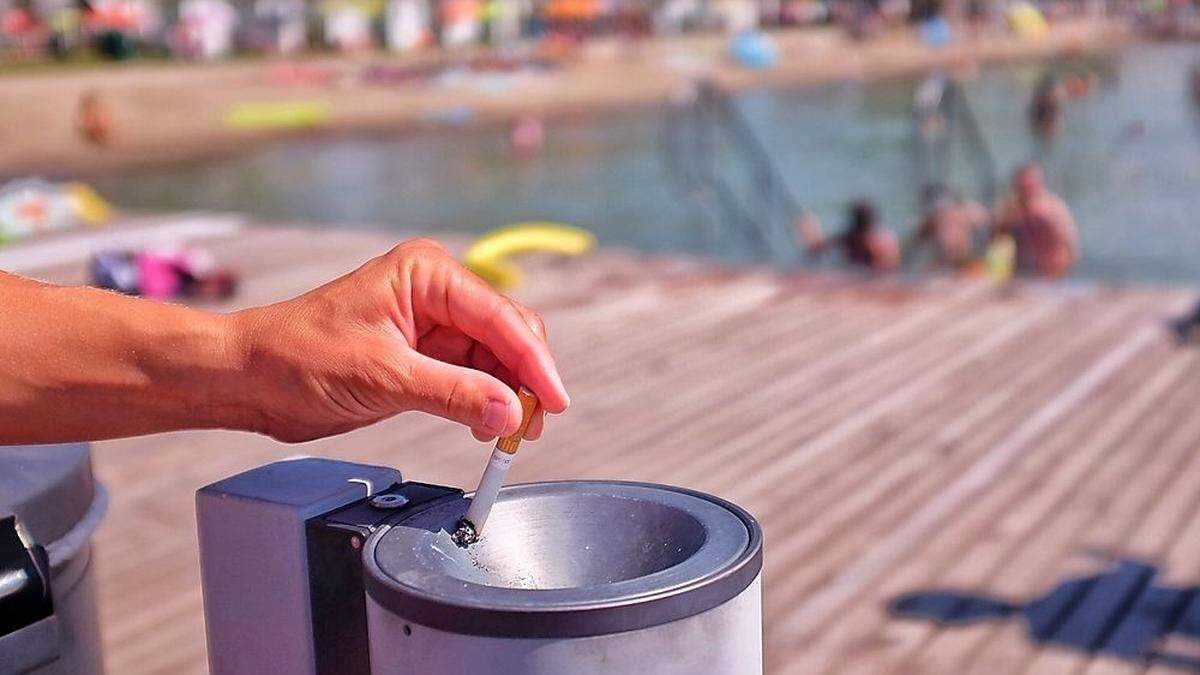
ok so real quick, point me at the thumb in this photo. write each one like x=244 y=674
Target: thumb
x=464 y=395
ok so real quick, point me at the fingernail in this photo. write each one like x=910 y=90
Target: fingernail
x=568 y=405
x=495 y=416
x=562 y=388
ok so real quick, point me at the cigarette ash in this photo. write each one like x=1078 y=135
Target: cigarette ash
x=465 y=534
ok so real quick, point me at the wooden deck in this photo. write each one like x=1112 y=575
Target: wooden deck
x=892 y=439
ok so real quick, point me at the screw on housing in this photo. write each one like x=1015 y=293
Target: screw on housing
x=389 y=501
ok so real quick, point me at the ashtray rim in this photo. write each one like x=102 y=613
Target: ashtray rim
x=718 y=571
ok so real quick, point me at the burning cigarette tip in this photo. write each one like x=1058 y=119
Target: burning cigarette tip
x=465 y=534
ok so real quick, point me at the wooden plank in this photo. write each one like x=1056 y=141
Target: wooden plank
x=822 y=367
x=75 y=248
x=1143 y=475
x=1024 y=532
x=855 y=636
x=942 y=539
x=817 y=608
x=1007 y=646
x=889 y=436
x=843 y=640
x=871 y=500
x=1167 y=532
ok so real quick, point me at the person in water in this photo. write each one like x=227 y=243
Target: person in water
x=1045 y=111
x=1187 y=327
x=1040 y=225
x=864 y=243
x=949 y=225
x=527 y=136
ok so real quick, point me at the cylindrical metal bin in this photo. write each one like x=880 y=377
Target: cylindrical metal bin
x=573 y=576
x=49 y=508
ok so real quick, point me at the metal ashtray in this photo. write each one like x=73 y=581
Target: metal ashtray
x=629 y=569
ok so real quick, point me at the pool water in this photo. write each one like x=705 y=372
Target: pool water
x=1127 y=162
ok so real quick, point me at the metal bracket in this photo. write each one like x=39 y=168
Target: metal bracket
x=28 y=629
x=337 y=593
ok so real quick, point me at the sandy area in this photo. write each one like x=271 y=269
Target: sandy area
x=170 y=111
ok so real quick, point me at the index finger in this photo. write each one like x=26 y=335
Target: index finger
x=475 y=308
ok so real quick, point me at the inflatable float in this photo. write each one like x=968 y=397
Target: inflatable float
x=35 y=206
x=1026 y=20
x=282 y=115
x=488 y=256
x=1000 y=258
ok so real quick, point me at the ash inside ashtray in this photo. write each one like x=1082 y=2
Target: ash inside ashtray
x=465 y=534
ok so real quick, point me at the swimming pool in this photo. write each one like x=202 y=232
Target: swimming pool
x=1127 y=162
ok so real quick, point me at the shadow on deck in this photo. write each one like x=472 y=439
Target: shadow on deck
x=1122 y=612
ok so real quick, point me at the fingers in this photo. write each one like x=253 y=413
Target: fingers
x=532 y=319
x=487 y=362
x=451 y=346
x=455 y=297
x=484 y=360
x=504 y=331
x=464 y=395
x=536 y=425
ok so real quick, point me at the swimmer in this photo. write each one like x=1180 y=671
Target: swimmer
x=949 y=225
x=1045 y=111
x=527 y=136
x=1081 y=86
x=864 y=243
x=1041 y=225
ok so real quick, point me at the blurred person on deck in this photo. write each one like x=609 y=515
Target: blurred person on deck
x=1187 y=327
x=93 y=120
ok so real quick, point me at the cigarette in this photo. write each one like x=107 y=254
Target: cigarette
x=471 y=525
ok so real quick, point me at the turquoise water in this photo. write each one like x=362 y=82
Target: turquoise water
x=1127 y=163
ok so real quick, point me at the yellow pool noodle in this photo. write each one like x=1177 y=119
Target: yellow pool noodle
x=88 y=203
x=488 y=256
x=281 y=115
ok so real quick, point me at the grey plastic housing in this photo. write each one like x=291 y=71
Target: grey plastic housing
x=254 y=559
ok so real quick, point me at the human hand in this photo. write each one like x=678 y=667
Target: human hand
x=808 y=232
x=409 y=330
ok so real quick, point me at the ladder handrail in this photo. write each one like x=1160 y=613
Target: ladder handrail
x=711 y=111
x=956 y=109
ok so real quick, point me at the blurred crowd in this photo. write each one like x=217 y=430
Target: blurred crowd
x=206 y=29
x=1030 y=232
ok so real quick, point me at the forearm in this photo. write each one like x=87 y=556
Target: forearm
x=79 y=363
x=408 y=330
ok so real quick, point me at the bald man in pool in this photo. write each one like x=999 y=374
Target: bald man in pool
x=1041 y=225
x=409 y=330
